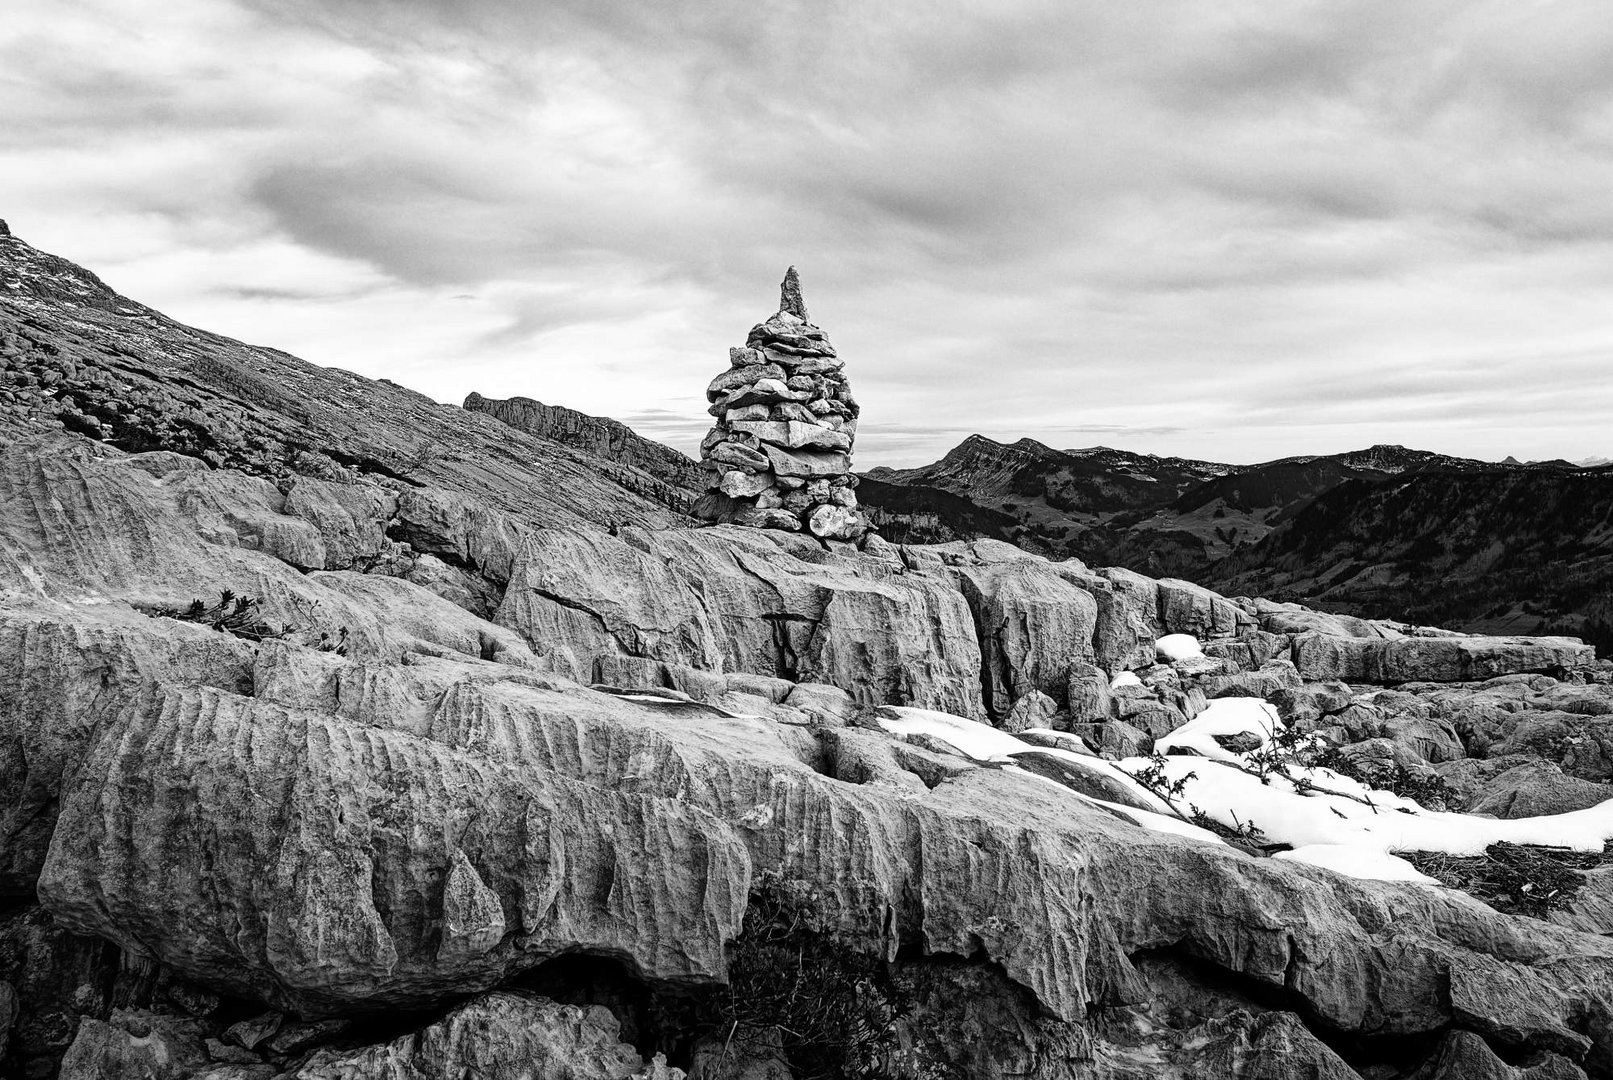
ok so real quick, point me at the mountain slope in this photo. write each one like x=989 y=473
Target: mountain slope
x=1211 y=523
x=681 y=480
x=1086 y=484
x=1062 y=500
x=1492 y=550
x=76 y=354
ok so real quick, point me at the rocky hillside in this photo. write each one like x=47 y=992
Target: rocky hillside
x=1060 y=499
x=680 y=479
x=1496 y=550
x=1529 y=564
x=76 y=355
x=321 y=760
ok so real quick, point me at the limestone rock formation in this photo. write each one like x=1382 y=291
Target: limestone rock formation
x=657 y=472
x=780 y=451
x=478 y=786
x=498 y=1035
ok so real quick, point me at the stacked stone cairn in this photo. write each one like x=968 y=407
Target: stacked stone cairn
x=780 y=452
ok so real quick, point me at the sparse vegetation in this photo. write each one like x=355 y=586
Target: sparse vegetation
x=1512 y=878
x=834 y=1007
x=241 y=616
x=1153 y=777
x=1428 y=789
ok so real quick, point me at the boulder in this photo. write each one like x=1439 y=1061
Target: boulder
x=834 y=522
x=1087 y=694
x=1032 y=710
x=134 y=1043
x=1032 y=624
x=739 y=600
x=1437 y=659
x=1581 y=745
x=1128 y=615
x=1186 y=608
x=1431 y=740
x=499 y=1034
x=1463 y=1055
x=1533 y=788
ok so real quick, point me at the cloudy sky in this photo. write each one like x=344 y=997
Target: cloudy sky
x=1234 y=231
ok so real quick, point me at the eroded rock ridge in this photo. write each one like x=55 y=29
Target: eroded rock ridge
x=492 y=783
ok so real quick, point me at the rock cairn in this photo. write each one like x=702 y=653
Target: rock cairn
x=780 y=451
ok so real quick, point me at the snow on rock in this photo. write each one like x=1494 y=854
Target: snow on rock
x=1235 y=797
x=1357 y=862
x=1161 y=823
x=1175 y=647
x=1329 y=820
x=970 y=738
x=1125 y=678
x=1226 y=717
x=1064 y=740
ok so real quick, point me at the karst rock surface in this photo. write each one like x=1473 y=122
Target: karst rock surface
x=493 y=782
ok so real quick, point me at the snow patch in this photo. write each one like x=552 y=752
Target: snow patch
x=1225 y=717
x=1174 y=647
x=1329 y=820
x=1357 y=862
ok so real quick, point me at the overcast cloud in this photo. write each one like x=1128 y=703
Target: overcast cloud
x=1234 y=231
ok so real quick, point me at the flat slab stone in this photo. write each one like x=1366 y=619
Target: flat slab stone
x=807 y=463
x=1434 y=659
x=764 y=392
x=736 y=377
x=793 y=434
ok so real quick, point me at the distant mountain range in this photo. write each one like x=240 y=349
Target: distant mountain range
x=1492 y=547
x=1160 y=514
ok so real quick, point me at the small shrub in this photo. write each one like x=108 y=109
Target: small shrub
x=1428 y=790
x=1242 y=833
x=1152 y=776
x=241 y=616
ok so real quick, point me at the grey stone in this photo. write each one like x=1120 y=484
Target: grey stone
x=500 y=1034
x=734 y=455
x=792 y=434
x=1032 y=710
x=806 y=463
x=738 y=484
x=736 y=378
x=1434 y=659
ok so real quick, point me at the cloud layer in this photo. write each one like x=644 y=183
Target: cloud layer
x=1232 y=231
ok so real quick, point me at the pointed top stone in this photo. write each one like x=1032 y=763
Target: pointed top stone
x=790 y=295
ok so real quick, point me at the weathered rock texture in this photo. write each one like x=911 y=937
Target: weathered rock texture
x=780 y=450
x=480 y=747
x=657 y=472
